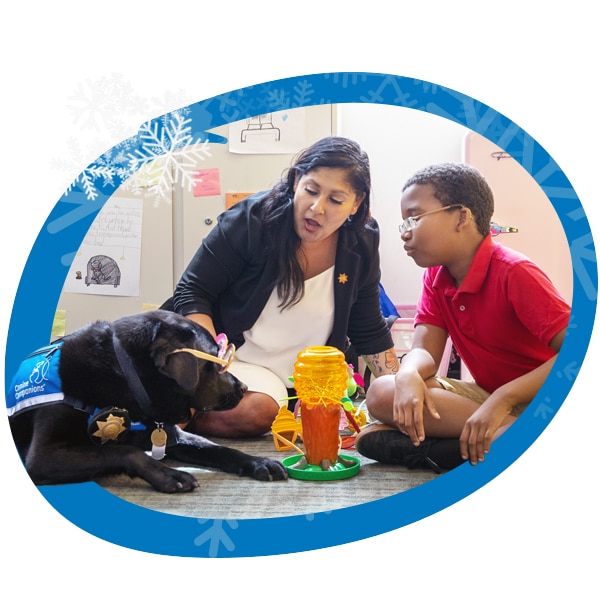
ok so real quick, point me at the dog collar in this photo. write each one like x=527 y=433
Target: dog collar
x=159 y=436
x=133 y=380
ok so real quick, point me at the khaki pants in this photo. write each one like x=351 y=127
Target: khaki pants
x=469 y=389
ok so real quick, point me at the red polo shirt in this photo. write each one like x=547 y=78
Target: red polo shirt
x=502 y=317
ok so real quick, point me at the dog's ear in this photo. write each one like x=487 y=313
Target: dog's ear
x=183 y=368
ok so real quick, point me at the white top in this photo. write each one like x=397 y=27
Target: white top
x=277 y=337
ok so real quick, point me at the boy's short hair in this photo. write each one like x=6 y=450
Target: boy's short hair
x=459 y=183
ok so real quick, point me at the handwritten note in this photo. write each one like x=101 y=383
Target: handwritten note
x=109 y=258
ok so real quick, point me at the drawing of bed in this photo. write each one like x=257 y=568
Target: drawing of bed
x=260 y=125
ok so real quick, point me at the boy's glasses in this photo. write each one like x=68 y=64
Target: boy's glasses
x=410 y=223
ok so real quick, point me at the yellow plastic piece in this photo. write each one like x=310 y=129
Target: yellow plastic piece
x=285 y=429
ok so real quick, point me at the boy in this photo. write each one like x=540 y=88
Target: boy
x=506 y=320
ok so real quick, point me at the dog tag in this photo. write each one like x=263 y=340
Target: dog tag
x=159 y=443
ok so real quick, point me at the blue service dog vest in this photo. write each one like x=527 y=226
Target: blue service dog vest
x=36 y=382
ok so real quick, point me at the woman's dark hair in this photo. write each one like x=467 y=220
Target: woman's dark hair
x=459 y=183
x=278 y=213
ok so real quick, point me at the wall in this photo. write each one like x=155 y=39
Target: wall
x=156 y=270
x=520 y=202
x=238 y=173
x=174 y=226
x=400 y=141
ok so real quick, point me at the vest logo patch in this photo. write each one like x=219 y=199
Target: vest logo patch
x=36 y=382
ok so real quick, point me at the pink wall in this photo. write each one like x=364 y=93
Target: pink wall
x=520 y=202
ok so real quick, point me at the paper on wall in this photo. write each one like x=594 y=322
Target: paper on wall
x=109 y=258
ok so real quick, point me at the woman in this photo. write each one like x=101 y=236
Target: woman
x=288 y=268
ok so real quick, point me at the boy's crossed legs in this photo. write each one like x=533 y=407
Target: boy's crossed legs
x=455 y=401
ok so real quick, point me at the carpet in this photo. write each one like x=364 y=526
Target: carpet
x=224 y=496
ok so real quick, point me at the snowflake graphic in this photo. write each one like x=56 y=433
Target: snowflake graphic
x=110 y=107
x=311 y=516
x=427 y=86
x=96 y=104
x=163 y=153
x=216 y=536
x=169 y=150
x=347 y=80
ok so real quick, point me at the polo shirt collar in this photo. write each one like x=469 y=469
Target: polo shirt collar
x=477 y=271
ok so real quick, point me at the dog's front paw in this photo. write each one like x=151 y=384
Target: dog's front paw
x=171 y=481
x=264 y=469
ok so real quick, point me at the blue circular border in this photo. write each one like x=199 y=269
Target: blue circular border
x=100 y=513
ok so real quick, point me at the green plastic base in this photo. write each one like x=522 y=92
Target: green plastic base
x=316 y=473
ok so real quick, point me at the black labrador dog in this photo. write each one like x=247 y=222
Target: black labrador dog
x=122 y=390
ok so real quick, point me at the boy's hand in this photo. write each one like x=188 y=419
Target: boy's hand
x=480 y=427
x=410 y=398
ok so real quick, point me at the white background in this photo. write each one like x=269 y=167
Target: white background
x=531 y=531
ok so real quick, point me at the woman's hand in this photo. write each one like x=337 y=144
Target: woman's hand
x=203 y=320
